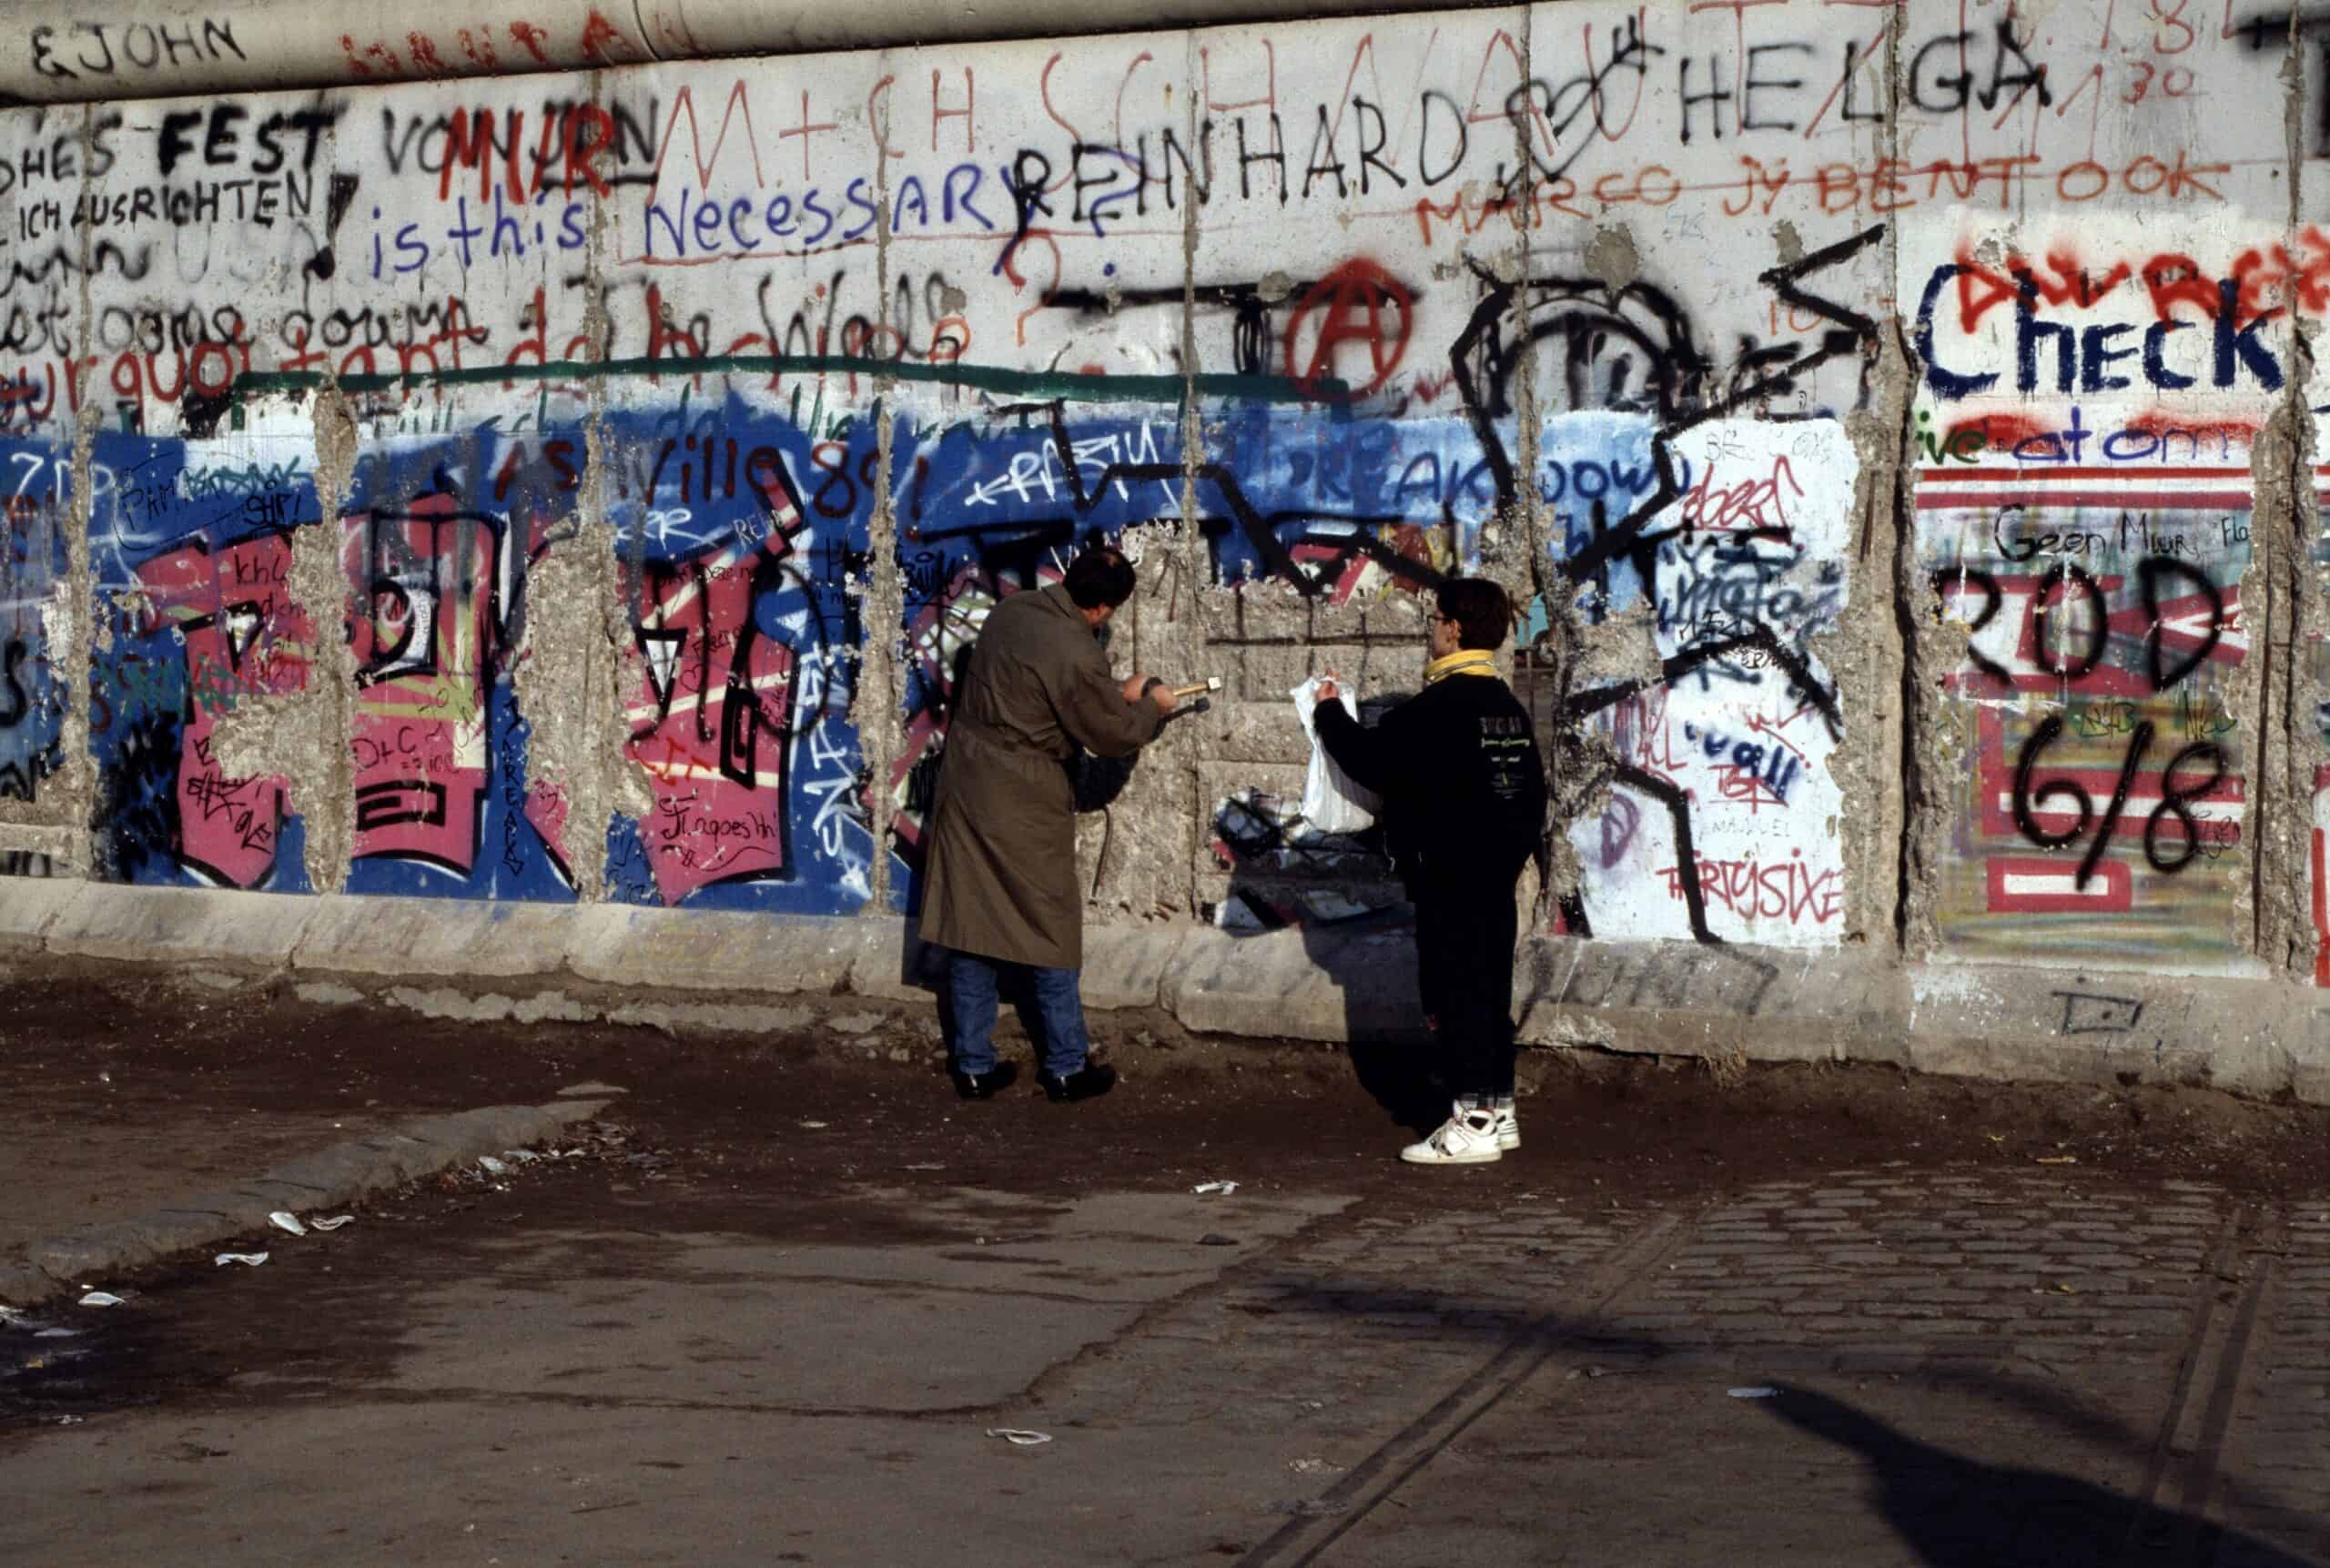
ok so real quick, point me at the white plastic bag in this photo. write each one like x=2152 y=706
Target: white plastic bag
x=1332 y=801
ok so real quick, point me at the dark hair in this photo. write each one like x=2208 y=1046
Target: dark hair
x=1483 y=614
x=1101 y=575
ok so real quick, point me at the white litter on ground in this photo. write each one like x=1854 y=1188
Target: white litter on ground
x=1224 y=1187
x=101 y=1298
x=1759 y=1391
x=251 y=1259
x=1017 y=1437
x=332 y=1224
x=284 y=1219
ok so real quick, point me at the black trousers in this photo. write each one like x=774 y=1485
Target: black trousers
x=1466 y=927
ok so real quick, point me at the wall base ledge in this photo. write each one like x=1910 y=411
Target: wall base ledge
x=718 y=968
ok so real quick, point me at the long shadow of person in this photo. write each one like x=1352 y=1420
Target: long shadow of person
x=1336 y=895
x=1960 y=1513
x=1372 y=960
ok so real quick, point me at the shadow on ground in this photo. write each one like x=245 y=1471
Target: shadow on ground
x=1955 y=1512
x=1952 y=1510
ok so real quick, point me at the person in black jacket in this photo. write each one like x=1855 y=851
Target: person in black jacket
x=1464 y=812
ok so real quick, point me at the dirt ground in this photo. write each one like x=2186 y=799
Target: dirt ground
x=173 y=1067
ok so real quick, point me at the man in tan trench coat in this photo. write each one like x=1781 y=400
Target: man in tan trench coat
x=1000 y=886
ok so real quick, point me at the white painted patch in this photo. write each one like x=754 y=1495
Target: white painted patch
x=1754 y=578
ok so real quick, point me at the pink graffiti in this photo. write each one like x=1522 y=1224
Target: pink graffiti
x=424 y=637
x=711 y=713
x=547 y=809
x=243 y=638
x=1785 y=890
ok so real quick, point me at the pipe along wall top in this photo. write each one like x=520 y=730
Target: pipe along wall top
x=74 y=52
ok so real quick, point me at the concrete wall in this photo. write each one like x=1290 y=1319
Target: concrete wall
x=576 y=488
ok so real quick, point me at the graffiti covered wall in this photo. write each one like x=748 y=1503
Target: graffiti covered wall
x=586 y=487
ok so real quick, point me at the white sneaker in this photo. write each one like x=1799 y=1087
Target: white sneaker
x=1468 y=1137
x=1508 y=1130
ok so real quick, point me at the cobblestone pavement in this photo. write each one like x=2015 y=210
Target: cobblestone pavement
x=1959 y=1371
x=2278 y=1473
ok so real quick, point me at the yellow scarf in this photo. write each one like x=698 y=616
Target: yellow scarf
x=1463 y=662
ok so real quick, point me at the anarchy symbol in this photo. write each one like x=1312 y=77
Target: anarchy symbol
x=1358 y=304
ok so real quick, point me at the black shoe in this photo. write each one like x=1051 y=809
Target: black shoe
x=1087 y=1082
x=986 y=1085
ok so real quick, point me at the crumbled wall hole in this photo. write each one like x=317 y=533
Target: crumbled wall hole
x=1611 y=258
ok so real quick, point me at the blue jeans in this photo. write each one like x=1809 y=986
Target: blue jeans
x=1047 y=1004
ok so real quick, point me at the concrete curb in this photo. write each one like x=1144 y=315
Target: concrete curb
x=326 y=1178
x=688 y=971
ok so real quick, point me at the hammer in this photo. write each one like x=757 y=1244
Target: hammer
x=1210 y=684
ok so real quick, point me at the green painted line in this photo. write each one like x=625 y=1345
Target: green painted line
x=1039 y=384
